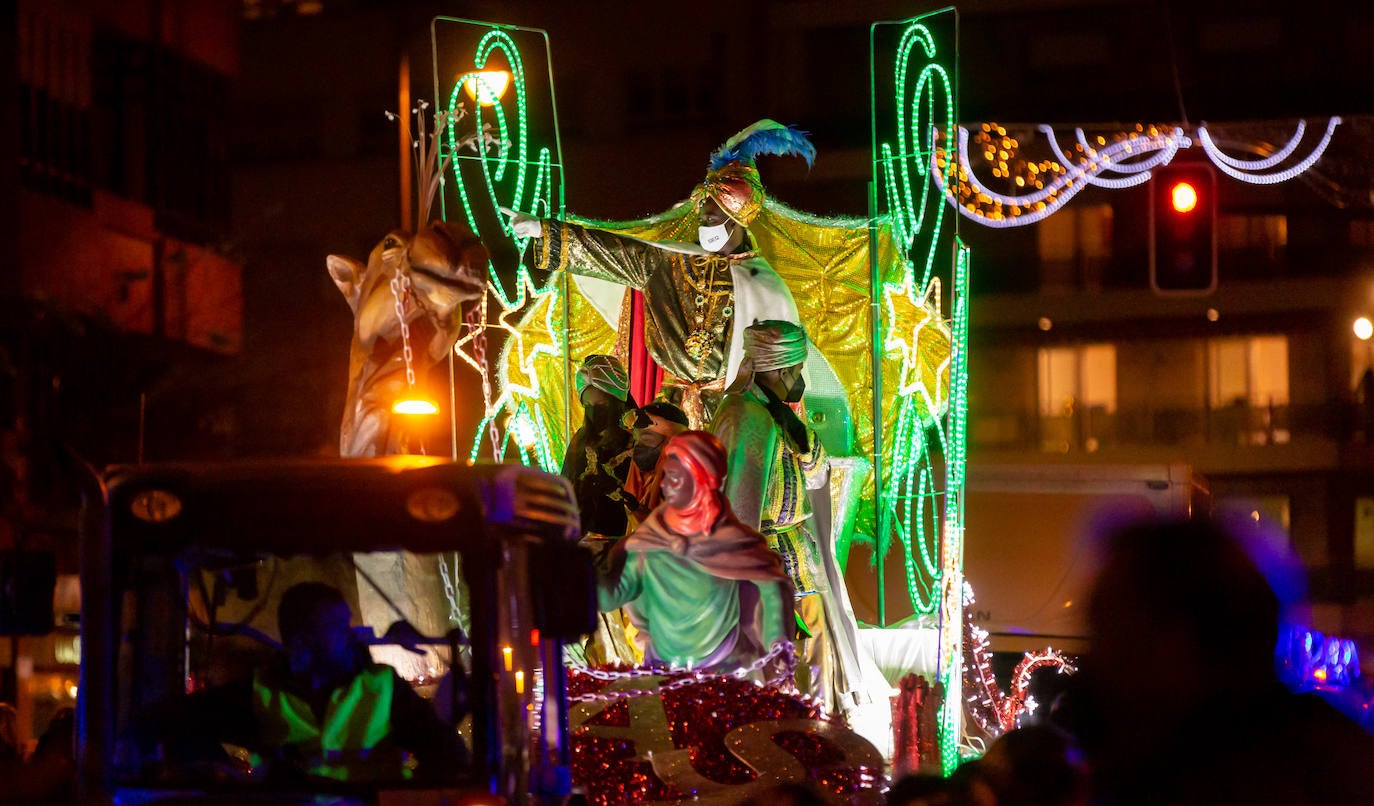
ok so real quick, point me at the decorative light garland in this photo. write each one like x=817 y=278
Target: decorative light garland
x=1116 y=160
x=783 y=654
x=902 y=169
x=952 y=539
x=1245 y=171
x=992 y=711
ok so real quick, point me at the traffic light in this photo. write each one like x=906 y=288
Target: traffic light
x=1183 y=233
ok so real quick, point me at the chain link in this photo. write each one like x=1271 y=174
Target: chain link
x=450 y=590
x=782 y=650
x=400 y=290
x=476 y=319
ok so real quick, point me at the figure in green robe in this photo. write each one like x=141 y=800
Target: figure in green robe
x=775 y=461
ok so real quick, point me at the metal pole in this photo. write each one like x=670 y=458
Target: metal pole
x=876 y=327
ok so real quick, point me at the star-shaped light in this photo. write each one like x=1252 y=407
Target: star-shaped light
x=526 y=341
x=915 y=329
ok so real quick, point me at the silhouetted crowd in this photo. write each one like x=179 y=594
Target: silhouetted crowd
x=1179 y=700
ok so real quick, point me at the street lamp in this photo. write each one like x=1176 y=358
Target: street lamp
x=485 y=87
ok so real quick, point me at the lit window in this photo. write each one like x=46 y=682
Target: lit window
x=1077 y=387
x=1364 y=532
x=1247 y=388
x=1249 y=370
x=1077 y=377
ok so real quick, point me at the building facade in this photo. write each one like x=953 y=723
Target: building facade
x=118 y=282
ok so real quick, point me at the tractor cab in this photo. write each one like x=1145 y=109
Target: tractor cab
x=183 y=571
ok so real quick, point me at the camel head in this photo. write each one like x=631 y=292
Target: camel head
x=445 y=264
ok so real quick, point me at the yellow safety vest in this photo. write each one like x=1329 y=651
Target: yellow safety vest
x=341 y=746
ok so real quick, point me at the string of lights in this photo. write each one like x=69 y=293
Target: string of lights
x=1036 y=187
x=923 y=503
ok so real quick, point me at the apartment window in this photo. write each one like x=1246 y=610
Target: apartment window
x=1074 y=246
x=1247 y=388
x=1077 y=388
x=54 y=122
x=1364 y=533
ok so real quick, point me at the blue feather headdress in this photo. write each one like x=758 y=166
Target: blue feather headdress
x=764 y=137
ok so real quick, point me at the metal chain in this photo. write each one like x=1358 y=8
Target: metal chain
x=450 y=592
x=782 y=650
x=400 y=289
x=477 y=318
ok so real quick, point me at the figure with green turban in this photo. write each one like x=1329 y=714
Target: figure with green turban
x=598 y=456
x=775 y=461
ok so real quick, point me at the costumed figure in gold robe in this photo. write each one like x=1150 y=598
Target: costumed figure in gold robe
x=703 y=588
x=775 y=459
x=697 y=297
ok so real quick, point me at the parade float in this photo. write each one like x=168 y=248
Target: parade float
x=883 y=300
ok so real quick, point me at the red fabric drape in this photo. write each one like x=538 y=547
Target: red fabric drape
x=646 y=376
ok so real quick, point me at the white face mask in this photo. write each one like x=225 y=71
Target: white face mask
x=712 y=239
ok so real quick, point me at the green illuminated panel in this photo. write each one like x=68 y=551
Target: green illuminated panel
x=499 y=171
x=921 y=446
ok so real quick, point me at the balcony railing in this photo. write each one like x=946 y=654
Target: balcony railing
x=1093 y=429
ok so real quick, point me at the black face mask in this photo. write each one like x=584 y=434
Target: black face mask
x=795 y=391
x=600 y=416
x=646 y=456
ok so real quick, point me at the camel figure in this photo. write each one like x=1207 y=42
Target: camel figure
x=435 y=272
x=427 y=277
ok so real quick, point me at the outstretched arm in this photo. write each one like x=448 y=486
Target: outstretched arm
x=563 y=246
x=596 y=253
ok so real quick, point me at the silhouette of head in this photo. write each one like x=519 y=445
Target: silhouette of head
x=314 y=621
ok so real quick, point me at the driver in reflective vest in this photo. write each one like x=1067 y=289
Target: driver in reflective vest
x=321 y=708
x=329 y=710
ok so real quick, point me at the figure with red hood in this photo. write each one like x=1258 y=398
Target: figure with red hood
x=704 y=590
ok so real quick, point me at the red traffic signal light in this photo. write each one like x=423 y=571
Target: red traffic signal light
x=1183 y=215
x=1183 y=196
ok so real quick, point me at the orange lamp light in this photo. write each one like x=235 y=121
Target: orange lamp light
x=414 y=405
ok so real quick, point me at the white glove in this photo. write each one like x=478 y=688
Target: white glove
x=522 y=225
